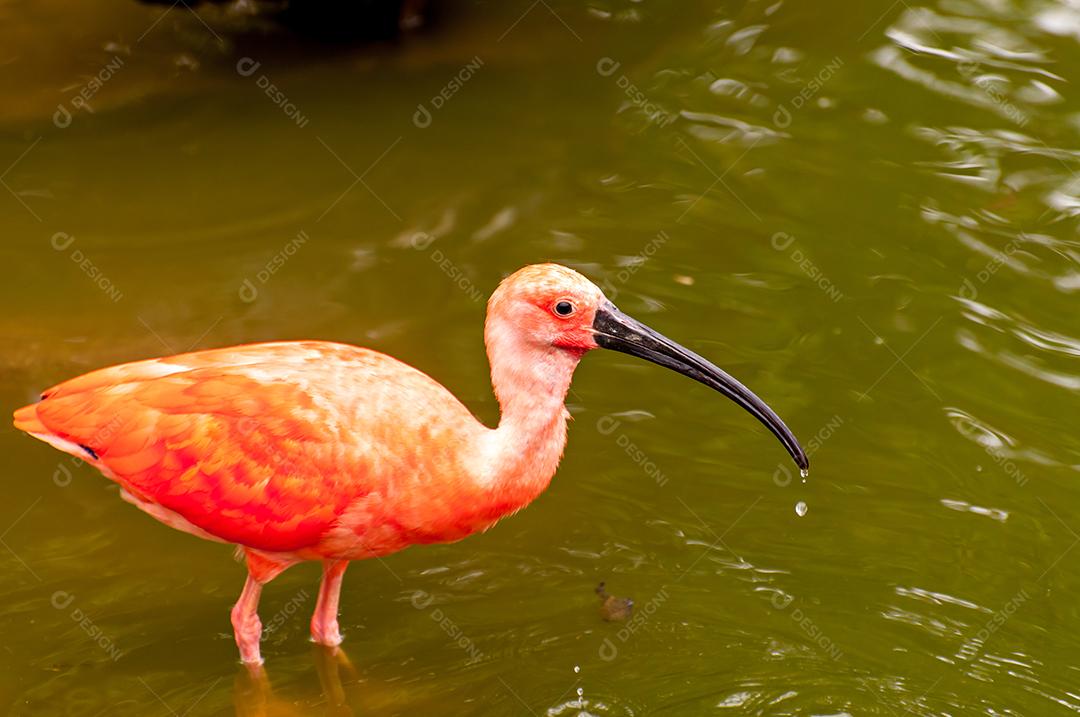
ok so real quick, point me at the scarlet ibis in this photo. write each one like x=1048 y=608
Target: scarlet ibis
x=310 y=450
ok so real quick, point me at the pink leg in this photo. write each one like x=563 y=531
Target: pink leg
x=324 y=623
x=247 y=628
x=246 y=624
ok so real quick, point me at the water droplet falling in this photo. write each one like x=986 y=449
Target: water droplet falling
x=800 y=508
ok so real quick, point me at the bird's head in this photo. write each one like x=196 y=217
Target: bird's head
x=549 y=305
x=552 y=309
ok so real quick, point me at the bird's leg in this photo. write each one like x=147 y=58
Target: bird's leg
x=324 y=623
x=245 y=620
x=247 y=627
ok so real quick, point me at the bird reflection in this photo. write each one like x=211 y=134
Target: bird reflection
x=253 y=695
x=330 y=663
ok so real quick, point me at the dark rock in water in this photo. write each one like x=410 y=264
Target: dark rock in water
x=612 y=608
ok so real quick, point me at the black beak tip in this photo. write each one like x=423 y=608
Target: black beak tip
x=617 y=331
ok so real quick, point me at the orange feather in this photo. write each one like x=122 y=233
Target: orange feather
x=267 y=445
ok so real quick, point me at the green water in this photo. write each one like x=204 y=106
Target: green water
x=866 y=211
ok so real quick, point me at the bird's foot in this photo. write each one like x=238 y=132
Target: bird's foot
x=249 y=651
x=326 y=633
x=329 y=639
x=251 y=658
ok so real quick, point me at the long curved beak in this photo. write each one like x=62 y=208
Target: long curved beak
x=612 y=329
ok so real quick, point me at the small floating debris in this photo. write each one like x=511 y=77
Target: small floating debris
x=612 y=608
x=963 y=506
x=800 y=508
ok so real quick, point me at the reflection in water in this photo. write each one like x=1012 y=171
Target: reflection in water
x=253 y=695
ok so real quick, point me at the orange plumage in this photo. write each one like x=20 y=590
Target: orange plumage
x=245 y=444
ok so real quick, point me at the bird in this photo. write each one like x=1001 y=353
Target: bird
x=312 y=450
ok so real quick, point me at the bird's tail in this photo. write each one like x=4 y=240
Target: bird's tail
x=26 y=419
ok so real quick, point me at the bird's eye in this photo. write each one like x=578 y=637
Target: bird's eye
x=564 y=308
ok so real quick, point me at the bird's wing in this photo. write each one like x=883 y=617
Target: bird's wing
x=249 y=444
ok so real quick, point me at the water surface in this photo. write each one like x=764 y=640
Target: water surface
x=866 y=211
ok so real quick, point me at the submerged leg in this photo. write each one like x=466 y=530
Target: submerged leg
x=245 y=621
x=247 y=628
x=324 y=623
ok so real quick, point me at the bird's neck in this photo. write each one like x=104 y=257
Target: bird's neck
x=530 y=383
